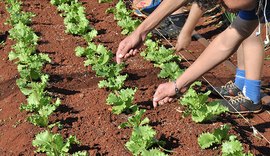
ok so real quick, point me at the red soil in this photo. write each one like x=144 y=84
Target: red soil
x=84 y=112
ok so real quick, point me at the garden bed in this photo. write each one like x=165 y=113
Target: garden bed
x=84 y=112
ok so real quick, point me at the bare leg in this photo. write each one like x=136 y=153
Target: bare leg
x=250 y=50
x=220 y=49
x=240 y=58
x=253 y=56
x=253 y=59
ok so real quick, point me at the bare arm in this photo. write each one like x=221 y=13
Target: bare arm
x=195 y=14
x=220 y=49
x=166 y=8
x=184 y=37
x=130 y=45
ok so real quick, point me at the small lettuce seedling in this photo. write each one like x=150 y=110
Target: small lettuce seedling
x=113 y=83
x=122 y=101
x=198 y=106
x=230 y=145
x=207 y=140
x=142 y=137
x=55 y=145
x=16 y=14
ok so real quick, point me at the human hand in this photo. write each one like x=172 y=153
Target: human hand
x=164 y=93
x=129 y=47
x=183 y=41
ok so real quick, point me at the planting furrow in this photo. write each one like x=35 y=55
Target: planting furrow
x=33 y=81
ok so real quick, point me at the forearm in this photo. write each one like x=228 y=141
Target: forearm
x=166 y=8
x=220 y=49
x=194 y=15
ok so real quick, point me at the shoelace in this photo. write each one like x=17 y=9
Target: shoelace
x=229 y=84
x=239 y=98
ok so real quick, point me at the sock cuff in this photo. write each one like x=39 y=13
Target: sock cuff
x=240 y=73
x=252 y=90
x=254 y=82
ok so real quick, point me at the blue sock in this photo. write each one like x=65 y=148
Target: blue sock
x=252 y=90
x=240 y=78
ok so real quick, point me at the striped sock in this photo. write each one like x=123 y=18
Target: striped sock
x=240 y=78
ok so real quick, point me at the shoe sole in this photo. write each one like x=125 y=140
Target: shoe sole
x=139 y=13
x=246 y=112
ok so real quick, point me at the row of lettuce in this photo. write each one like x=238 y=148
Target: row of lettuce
x=196 y=104
x=101 y=61
x=32 y=82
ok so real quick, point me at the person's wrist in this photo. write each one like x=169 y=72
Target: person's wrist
x=176 y=89
x=142 y=32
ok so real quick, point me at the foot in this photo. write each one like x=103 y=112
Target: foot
x=145 y=6
x=140 y=4
x=241 y=104
x=229 y=89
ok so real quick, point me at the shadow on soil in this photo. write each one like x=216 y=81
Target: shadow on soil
x=68 y=121
x=267 y=107
x=43 y=42
x=156 y=123
x=148 y=105
x=3 y=37
x=62 y=91
x=77 y=148
x=55 y=78
x=102 y=31
x=65 y=108
x=263 y=150
x=170 y=142
x=133 y=76
x=76 y=81
x=70 y=83
x=97 y=148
